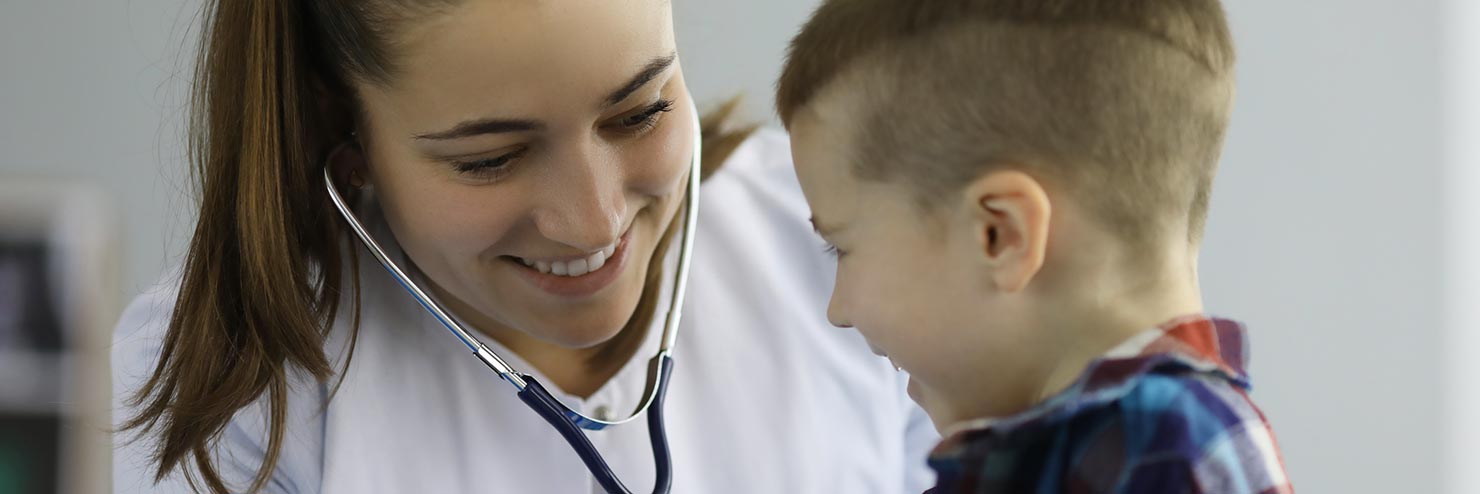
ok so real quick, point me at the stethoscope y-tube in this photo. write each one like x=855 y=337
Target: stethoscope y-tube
x=551 y=410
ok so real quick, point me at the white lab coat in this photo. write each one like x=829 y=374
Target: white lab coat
x=766 y=397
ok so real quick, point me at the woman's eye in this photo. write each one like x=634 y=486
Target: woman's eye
x=647 y=118
x=487 y=169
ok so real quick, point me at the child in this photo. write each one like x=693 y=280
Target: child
x=1016 y=191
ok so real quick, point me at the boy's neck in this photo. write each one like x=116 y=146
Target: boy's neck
x=1122 y=307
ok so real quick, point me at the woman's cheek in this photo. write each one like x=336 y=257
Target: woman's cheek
x=457 y=222
x=659 y=165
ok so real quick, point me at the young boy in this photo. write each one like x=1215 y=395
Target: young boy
x=1016 y=191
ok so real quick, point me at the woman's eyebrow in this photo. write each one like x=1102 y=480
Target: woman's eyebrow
x=502 y=125
x=648 y=73
x=483 y=126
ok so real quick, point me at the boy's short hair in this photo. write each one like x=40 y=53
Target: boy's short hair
x=1121 y=103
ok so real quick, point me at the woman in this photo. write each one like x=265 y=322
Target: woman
x=498 y=148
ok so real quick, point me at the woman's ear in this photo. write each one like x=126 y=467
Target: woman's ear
x=1009 y=212
x=346 y=163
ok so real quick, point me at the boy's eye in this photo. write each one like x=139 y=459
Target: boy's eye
x=833 y=251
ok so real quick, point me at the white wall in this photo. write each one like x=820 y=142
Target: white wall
x=735 y=48
x=1462 y=105
x=88 y=91
x=1326 y=234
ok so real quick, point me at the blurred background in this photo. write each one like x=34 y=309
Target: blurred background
x=1343 y=223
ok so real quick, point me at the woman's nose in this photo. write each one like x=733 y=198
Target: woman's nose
x=587 y=209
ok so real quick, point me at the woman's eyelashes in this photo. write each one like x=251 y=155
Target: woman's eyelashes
x=494 y=169
x=646 y=119
x=488 y=169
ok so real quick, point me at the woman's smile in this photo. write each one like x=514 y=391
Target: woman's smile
x=575 y=278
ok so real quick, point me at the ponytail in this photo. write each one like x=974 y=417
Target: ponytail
x=249 y=306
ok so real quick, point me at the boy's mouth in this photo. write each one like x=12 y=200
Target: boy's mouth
x=881 y=353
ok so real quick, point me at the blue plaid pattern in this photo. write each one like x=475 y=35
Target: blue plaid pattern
x=1171 y=414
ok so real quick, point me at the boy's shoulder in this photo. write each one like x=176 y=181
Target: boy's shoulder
x=1172 y=431
x=1172 y=415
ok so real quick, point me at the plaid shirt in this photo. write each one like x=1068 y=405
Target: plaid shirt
x=1166 y=412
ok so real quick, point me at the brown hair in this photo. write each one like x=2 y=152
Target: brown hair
x=1123 y=103
x=262 y=281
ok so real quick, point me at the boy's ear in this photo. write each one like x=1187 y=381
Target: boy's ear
x=1009 y=213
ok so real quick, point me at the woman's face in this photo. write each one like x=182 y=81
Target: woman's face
x=528 y=157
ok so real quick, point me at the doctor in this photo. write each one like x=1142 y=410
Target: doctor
x=525 y=162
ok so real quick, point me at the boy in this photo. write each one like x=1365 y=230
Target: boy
x=1016 y=191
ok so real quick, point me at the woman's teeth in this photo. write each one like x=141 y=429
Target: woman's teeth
x=578 y=267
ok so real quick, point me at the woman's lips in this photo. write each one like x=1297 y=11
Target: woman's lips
x=577 y=287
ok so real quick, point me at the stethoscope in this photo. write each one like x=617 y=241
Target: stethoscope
x=569 y=422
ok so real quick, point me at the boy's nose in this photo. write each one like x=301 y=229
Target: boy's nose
x=835 y=314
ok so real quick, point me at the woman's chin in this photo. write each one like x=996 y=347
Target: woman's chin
x=579 y=339
x=584 y=328
x=594 y=321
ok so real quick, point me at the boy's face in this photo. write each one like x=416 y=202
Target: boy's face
x=912 y=281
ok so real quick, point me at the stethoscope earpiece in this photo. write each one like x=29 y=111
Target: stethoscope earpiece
x=355 y=177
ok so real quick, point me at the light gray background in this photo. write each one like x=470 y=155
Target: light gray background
x=1326 y=230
